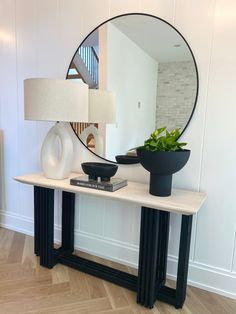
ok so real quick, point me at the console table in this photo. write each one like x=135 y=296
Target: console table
x=154 y=235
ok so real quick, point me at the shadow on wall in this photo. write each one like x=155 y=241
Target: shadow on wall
x=2 y=189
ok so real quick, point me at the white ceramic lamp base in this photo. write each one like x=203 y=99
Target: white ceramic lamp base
x=55 y=167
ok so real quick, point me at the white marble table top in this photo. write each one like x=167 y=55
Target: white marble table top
x=181 y=201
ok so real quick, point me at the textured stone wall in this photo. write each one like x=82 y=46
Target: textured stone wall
x=176 y=92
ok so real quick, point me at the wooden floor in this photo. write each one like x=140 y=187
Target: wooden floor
x=26 y=287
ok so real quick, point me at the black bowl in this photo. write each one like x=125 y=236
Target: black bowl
x=163 y=162
x=126 y=159
x=161 y=166
x=97 y=169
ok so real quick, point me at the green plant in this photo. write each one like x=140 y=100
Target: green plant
x=160 y=142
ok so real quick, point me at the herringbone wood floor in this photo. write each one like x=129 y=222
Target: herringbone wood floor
x=25 y=287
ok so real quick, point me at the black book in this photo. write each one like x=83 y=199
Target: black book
x=110 y=186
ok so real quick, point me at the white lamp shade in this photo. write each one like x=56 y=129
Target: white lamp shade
x=55 y=100
x=102 y=106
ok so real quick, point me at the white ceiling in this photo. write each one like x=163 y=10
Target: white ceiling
x=154 y=36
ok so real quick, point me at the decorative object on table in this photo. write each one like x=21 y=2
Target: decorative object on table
x=62 y=100
x=162 y=155
x=101 y=170
x=110 y=186
x=126 y=159
x=56 y=100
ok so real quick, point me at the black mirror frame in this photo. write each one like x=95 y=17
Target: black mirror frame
x=194 y=60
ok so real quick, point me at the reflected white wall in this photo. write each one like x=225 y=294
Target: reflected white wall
x=132 y=75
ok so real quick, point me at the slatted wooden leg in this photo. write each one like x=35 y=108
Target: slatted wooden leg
x=152 y=254
x=163 y=247
x=177 y=296
x=68 y=216
x=36 y=220
x=44 y=225
x=184 y=248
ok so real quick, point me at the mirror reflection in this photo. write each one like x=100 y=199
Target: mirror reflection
x=151 y=70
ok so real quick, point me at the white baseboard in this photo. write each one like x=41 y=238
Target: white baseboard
x=16 y=222
x=202 y=276
x=107 y=248
x=206 y=277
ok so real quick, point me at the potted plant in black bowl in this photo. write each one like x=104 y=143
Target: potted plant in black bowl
x=162 y=155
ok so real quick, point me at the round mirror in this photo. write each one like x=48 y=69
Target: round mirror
x=150 y=68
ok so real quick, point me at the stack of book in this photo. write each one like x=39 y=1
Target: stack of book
x=110 y=186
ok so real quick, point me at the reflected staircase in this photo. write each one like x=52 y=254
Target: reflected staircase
x=85 y=66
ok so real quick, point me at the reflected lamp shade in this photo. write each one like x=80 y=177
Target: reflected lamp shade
x=102 y=106
x=56 y=100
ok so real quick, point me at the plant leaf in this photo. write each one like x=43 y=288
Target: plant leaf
x=168 y=142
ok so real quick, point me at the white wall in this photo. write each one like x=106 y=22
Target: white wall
x=38 y=38
x=132 y=75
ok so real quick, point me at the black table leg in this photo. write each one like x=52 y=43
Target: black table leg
x=152 y=254
x=153 y=250
x=177 y=296
x=68 y=218
x=44 y=225
x=36 y=220
x=163 y=246
x=184 y=248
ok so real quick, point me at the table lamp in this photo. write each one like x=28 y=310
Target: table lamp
x=56 y=100
x=64 y=101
